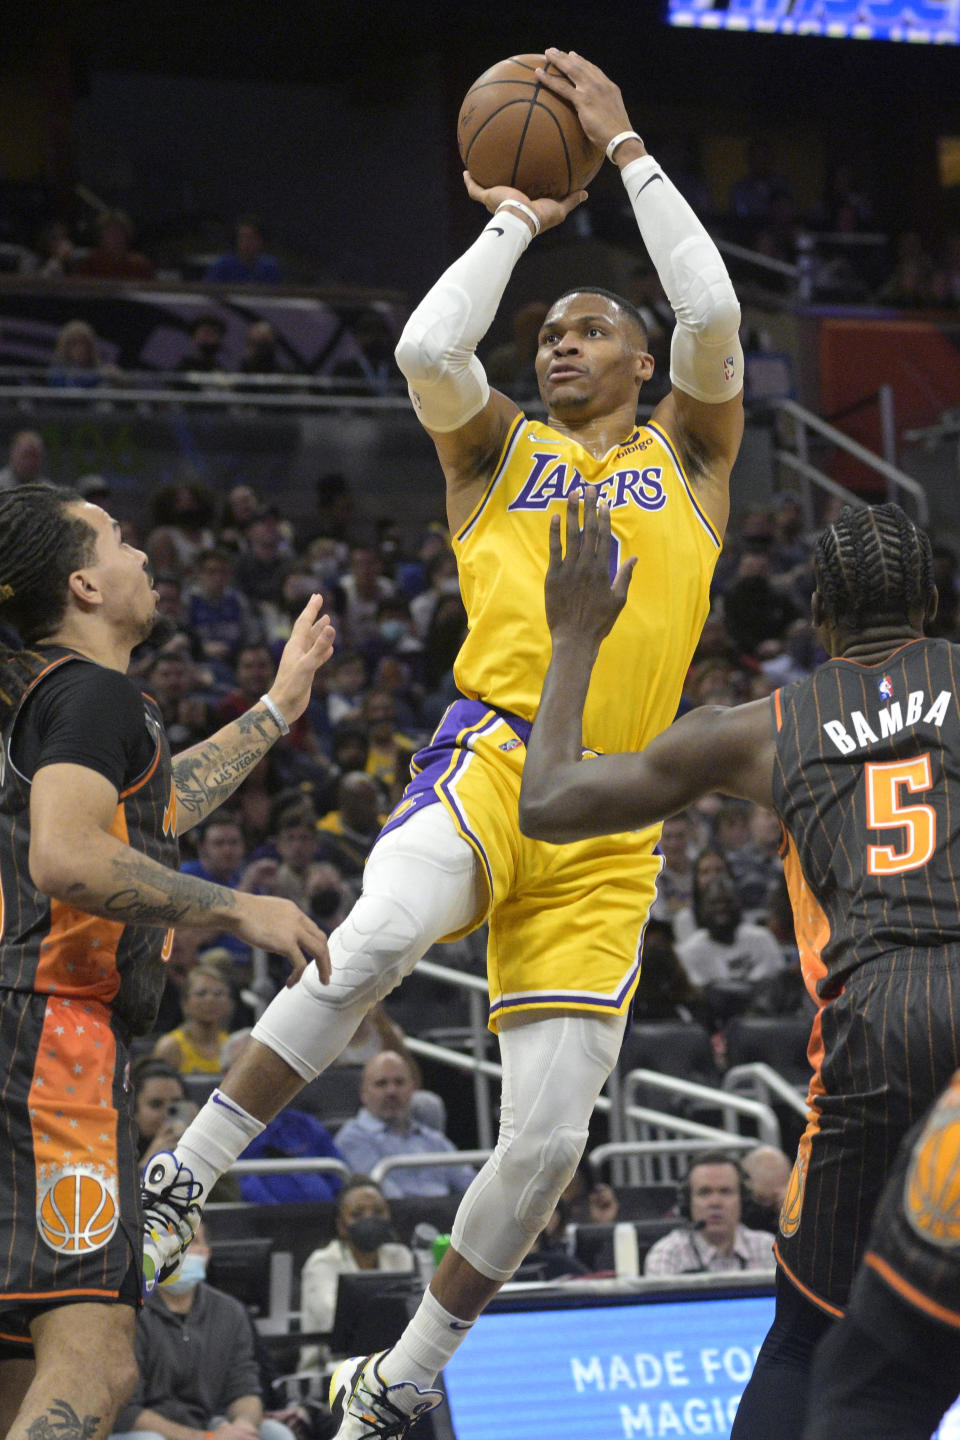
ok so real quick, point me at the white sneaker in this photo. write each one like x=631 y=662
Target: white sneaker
x=171 y=1214
x=366 y=1407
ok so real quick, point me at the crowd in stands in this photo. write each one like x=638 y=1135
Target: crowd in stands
x=232 y=573
x=232 y=576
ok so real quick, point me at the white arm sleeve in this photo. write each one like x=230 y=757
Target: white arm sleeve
x=446 y=381
x=706 y=360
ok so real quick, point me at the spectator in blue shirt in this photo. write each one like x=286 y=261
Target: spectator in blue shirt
x=385 y=1125
x=291 y=1135
x=246 y=264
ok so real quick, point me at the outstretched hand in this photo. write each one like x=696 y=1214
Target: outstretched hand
x=549 y=212
x=594 y=96
x=581 y=602
x=310 y=646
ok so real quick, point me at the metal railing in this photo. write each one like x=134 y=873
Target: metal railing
x=897 y=482
x=763 y=1082
x=432 y=1157
x=646 y=1126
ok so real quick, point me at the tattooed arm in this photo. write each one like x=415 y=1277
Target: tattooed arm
x=77 y=857
x=205 y=775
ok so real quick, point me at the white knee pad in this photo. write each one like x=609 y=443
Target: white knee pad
x=553 y=1072
x=550 y=1166
x=421 y=883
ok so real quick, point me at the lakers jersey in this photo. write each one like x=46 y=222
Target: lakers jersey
x=502 y=553
x=867 y=784
x=48 y=946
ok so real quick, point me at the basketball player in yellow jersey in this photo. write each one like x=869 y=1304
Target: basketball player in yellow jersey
x=565 y=923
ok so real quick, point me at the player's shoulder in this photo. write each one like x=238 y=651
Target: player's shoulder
x=74 y=679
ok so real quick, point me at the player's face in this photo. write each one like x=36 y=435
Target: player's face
x=715 y=1200
x=587 y=357
x=121 y=573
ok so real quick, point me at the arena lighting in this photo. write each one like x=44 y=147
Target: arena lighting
x=932 y=22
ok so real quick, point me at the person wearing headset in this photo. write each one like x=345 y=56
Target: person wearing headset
x=710 y=1235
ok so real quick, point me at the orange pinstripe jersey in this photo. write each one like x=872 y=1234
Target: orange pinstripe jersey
x=867 y=785
x=51 y=947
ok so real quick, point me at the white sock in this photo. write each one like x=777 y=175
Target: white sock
x=428 y=1342
x=214 y=1139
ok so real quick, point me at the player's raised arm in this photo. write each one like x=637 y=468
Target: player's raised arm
x=703 y=414
x=566 y=797
x=437 y=350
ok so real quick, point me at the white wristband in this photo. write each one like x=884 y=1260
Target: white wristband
x=619 y=139
x=519 y=205
x=276 y=713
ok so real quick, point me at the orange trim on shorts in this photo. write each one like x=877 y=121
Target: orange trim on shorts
x=53 y=1295
x=909 y=1292
x=778 y=713
x=15 y=1339
x=814 y=1299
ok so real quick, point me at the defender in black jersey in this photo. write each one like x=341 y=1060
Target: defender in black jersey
x=861 y=762
x=91 y=804
x=891 y=1366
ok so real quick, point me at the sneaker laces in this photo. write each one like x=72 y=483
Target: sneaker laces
x=172 y=1205
x=376 y=1409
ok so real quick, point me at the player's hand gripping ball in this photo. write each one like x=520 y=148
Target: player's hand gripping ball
x=514 y=131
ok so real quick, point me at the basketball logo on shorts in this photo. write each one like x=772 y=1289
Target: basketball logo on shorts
x=932 y=1188
x=77 y=1212
x=793 y=1199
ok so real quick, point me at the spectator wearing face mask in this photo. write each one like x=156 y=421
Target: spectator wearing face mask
x=365 y=1240
x=197 y=1364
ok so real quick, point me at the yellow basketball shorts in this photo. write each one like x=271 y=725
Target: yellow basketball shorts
x=566 y=921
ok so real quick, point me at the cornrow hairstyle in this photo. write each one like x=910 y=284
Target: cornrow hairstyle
x=41 y=545
x=627 y=306
x=873 y=565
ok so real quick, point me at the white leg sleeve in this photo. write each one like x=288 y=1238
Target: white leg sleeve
x=553 y=1071
x=448 y=385
x=421 y=882
x=706 y=360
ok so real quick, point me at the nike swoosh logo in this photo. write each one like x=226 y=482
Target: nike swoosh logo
x=461 y=1324
x=218 y=1099
x=494 y=230
x=646 y=183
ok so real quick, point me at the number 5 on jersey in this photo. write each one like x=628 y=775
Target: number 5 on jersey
x=917 y=824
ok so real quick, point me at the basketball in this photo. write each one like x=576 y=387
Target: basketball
x=77 y=1214
x=513 y=131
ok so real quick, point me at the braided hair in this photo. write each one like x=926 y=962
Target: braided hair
x=873 y=565
x=41 y=545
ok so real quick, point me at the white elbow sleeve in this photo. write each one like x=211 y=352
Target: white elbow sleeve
x=706 y=360
x=436 y=352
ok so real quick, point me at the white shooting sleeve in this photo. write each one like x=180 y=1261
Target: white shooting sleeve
x=706 y=360
x=436 y=352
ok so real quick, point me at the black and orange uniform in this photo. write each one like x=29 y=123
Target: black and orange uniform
x=867 y=786
x=893 y=1366
x=74 y=988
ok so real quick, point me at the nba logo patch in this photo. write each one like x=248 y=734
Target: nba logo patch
x=510 y=744
x=78 y=1212
x=729 y=368
x=885 y=686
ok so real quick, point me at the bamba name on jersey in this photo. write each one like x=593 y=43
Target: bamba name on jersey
x=890 y=718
